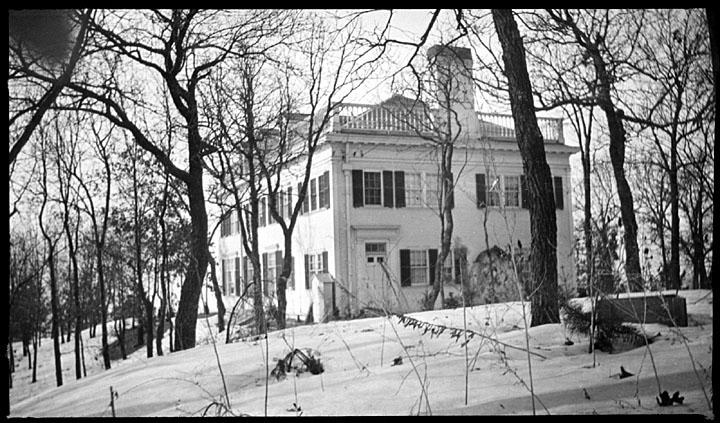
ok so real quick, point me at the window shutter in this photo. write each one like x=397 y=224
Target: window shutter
x=459 y=260
x=289 y=202
x=237 y=275
x=224 y=282
x=325 y=261
x=404 y=267
x=313 y=194
x=307 y=271
x=357 y=188
x=432 y=258
x=388 y=196
x=558 y=192
x=299 y=189
x=291 y=278
x=480 y=190
x=264 y=273
x=525 y=193
x=261 y=212
x=245 y=271
x=278 y=264
x=451 y=195
x=399 y=188
x=325 y=190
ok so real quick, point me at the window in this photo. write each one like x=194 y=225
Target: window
x=512 y=191
x=225 y=226
x=261 y=212
x=413 y=190
x=227 y=274
x=493 y=191
x=375 y=252
x=324 y=190
x=373 y=190
x=315 y=263
x=313 y=194
x=272 y=267
x=431 y=190
x=418 y=267
x=281 y=204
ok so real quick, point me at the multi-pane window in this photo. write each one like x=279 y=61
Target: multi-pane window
x=324 y=190
x=375 y=252
x=493 y=191
x=418 y=267
x=431 y=190
x=373 y=188
x=228 y=274
x=261 y=211
x=413 y=190
x=512 y=191
x=313 y=194
x=225 y=226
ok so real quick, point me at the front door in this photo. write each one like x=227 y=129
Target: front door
x=374 y=281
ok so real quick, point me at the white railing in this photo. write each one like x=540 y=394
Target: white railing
x=496 y=125
x=353 y=117
x=367 y=117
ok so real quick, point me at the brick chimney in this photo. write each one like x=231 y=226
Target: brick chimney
x=453 y=75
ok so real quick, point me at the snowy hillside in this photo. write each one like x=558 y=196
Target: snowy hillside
x=360 y=377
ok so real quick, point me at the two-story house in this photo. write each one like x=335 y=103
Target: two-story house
x=370 y=222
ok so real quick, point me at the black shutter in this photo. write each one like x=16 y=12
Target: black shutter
x=313 y=194
x=326 y=188
x=451 y=195
x=558 y=193
x=299 y=189
x=459 y=265
x=524 y=192
x=388 y=188
x=278 y=264
x=357 y=188
x=404 y=267
x=325 y=261
x=237 y=276
x=307 y=271
x=224 y=282
x=291 y=278
x=432 y=258
x=399 y=188
x=263 y=275
x=245 y=272
x=480 y=191
x=290 y=202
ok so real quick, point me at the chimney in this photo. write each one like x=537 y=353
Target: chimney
x=453 y=75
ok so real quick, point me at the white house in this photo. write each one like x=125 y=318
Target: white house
x=370 y=218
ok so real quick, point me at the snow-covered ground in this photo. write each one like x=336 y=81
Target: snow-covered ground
x=360 y=378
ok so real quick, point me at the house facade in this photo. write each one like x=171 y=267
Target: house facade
x=370 y=221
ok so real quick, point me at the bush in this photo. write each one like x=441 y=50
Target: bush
x=606 y=329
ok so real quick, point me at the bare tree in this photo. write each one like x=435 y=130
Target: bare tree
x=186 y=47
x=51 y=240
x=99 y=219
x=67 y=162
x=543 y=228
x=597 y=33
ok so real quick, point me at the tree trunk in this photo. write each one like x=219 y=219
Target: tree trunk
x=186 y=319
x=218 y=294
x=103 y=308
x=617 y=158
x=35 y=349
x=543 y=226
x=55 y=310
